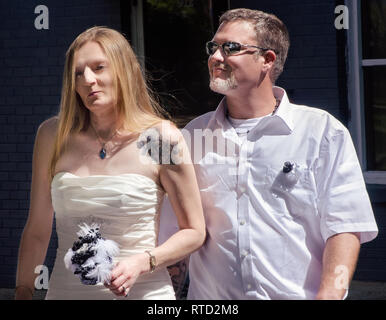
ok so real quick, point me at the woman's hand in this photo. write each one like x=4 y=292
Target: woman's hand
x=126 y=273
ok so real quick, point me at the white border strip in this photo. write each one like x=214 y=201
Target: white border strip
x=137 y=32
x=375 y=177
x=355 y=124
x=373 y=62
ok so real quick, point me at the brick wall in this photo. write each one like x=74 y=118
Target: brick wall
x=31 y=64
x=372 y=259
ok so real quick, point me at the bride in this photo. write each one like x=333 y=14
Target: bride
x=89 y=167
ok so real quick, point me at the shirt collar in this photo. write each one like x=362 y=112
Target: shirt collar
x=280 y=123
x=284 y=111
x=219 y=116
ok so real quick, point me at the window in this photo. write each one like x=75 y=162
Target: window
x=169 y=37
x=367 y=85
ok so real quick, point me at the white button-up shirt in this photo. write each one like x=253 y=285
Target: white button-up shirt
x=267 y=229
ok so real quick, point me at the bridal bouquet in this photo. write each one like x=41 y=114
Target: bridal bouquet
x=91 y=256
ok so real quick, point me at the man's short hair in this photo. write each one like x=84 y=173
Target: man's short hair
x=270 y=31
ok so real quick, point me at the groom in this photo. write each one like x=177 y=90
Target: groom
x=286 y=206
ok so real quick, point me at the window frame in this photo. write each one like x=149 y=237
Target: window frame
x=137 y=35
x=356 y=105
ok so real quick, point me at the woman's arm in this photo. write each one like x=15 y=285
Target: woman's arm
x=38 y=228
x=179 y=181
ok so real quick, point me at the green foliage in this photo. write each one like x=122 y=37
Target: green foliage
x=184 y=8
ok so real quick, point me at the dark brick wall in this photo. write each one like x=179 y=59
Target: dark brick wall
x=31 y=64
x=372 y=259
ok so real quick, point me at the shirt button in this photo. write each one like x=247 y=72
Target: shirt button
x=249 y=286
x=242 y=222
x=242 y=189
x=244 y=253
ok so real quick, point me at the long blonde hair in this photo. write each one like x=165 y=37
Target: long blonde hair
x=136 y=105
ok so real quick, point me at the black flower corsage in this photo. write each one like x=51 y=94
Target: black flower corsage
x=91 y=256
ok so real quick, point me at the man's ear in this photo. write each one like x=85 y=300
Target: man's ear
x=269 y=60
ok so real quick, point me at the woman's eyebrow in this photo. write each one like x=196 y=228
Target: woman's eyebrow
x=96 y=61
x=92 y=62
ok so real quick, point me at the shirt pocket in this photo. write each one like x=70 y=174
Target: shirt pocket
x=290 y=194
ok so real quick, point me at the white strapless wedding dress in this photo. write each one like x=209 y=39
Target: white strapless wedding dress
x=127 y=208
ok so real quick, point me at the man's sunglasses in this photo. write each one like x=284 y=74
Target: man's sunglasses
x=230 y=47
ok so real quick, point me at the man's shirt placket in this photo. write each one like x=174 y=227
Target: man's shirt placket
x=243 y=220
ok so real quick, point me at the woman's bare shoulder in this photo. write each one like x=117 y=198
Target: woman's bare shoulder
x=49 y=125
x=46 y=132
x=168 y=130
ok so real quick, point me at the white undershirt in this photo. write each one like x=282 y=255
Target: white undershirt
x=243 y=126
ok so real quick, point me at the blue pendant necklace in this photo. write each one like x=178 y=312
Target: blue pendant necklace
x=102 y=151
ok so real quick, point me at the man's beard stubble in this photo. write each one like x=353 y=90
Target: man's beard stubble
x=223 y=85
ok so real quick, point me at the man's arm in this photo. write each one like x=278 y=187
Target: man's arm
x=339 y=261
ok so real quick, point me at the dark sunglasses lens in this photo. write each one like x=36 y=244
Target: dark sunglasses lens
x=231 y=47
x=211 y=47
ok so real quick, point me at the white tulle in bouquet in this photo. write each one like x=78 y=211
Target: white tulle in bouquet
x=91 y=256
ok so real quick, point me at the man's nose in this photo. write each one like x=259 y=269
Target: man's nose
x=218 y=55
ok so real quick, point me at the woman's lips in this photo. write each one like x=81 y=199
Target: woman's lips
x=93 y=93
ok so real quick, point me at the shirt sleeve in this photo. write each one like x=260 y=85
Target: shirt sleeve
x=343 y=201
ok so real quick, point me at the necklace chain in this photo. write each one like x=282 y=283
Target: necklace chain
x=102 y=151
x=276 y=106
x=273 y=112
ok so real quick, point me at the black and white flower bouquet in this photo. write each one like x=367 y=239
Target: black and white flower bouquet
x=91 y=256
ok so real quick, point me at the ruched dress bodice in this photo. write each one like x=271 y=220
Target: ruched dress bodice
x=127 y=208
